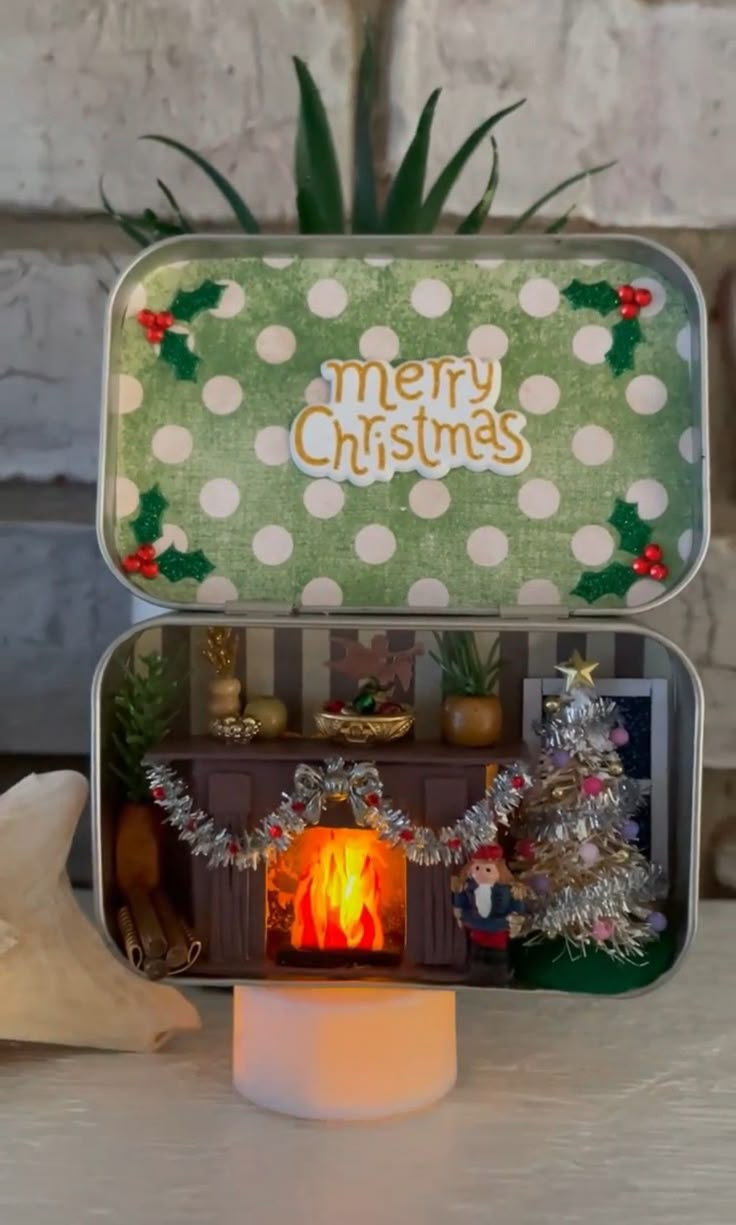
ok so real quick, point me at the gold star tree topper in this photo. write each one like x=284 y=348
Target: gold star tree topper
x=577 y=671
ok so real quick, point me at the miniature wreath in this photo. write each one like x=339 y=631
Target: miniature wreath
x=360 y=785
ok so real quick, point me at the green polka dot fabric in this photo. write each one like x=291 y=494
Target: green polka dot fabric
x=217 y=445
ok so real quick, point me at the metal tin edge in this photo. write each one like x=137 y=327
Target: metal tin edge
x=440 y=622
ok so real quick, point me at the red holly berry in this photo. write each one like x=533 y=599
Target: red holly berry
x=517 y=782
x=454 y=843
x=131 y=563
x=653 y=552
x=164 y=319
x=373 y=800
x=146 y=552
x=275 y=831
x=158 y=793
x=334 y=707
x=146 y=318
x=155 y=335
x=407 y=835
x=643 y=297
x=658 y=572
x=149 y=569
x=628 y=310
x=640 y=566
x=298 y=806
x=626 y=293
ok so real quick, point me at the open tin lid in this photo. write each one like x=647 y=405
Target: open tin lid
x=472 y=425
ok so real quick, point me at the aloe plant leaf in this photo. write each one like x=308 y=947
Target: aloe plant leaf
x=311 y=219
x=473 y=223
x=316 y=168
x=431 y=210
x=365 y=205
x=555 y=191
x=129 y=225
x=404 y=201
x=184 y=225
x=240 y=209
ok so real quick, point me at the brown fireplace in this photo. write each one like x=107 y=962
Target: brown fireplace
x=336 y=897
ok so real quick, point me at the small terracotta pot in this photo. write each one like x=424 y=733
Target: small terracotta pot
x=473 y=722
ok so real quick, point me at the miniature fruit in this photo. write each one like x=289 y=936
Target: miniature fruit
x=271 y=714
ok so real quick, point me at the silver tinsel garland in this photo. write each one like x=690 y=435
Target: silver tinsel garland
x=591 y=814
x=361 y=787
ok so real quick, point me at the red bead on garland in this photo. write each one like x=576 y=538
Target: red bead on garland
x=158 y=793
x=275 y=831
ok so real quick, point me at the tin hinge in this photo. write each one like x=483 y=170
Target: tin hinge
x=534 y=612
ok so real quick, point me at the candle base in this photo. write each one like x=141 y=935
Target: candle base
x=343 y=1053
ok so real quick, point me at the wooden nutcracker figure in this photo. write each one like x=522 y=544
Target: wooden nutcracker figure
x=489 y=905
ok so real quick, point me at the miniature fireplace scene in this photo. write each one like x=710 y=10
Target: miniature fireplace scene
x=441 y=805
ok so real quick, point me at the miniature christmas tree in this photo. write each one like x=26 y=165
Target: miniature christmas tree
x=593 y=888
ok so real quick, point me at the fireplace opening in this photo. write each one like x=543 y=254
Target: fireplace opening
x=336 y=897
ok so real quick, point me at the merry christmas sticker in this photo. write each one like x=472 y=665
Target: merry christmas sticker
x=426 y=416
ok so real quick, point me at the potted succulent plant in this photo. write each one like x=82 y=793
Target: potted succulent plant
x=471 y=711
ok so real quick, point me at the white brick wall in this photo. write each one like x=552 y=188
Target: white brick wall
x=81 y=80
x=649 y=84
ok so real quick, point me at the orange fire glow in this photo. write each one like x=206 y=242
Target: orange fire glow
x=337 y=903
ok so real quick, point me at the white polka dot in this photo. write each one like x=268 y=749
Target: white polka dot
x=136 y=301
x=488 y=342
x=592 y=445
x=375 y=544
x=172 y=444
x=590 y=263
x=650 y=496
x=273 y=545
x=232 y=301
x=278 y=261
x=538 y=591
x=276 y=344
x=656 y=289
x=431 y=298
x=489 y=263
x=323 y=499
x=126 y=497
x=272 y=445
x=429 y=499
x=317 y=392
x=222 y=394
x=591 y=343
x=171 y=534
x=327 y=299
x=322 y=593
x=178 y=265
x=644 y=591
x=127 y=393
x=539 y=498
x=380 y=343
x=646 y=394
x=428 y=593
x=487 y=546
x=689 y=444
x=181 y=330
x=539 y=394
x=378 y=261
x=219 y=498
x=216 y=590
x=685 y=544
x=539 y=297
x=592 y=545
x=684 y=343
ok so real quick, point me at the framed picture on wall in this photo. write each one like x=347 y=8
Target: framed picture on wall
x=642 y=705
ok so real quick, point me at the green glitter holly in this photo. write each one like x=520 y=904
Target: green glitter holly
x=617 y=578
x=172 y=564
x=628 y=300
x=158 y=326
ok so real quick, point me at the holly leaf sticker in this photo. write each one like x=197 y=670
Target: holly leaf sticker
x=175 y=565
x=627 y=335
x=616 y=579
x=175 y=353
x=147 y=523
x=191 y=302
x=634 y=532
x=600 y=296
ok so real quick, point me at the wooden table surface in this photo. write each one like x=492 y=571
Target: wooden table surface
x=567 y=1110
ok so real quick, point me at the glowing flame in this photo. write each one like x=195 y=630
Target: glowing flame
x=337 y=899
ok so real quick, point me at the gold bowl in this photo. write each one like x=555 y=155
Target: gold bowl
x=236 y=729
x=353 y=728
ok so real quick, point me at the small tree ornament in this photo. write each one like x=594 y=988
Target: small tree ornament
x=591 y=885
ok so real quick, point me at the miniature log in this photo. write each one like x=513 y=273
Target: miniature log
x=343 y=1052
x=150 y=931
x=59 y=982
x=177 y=944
